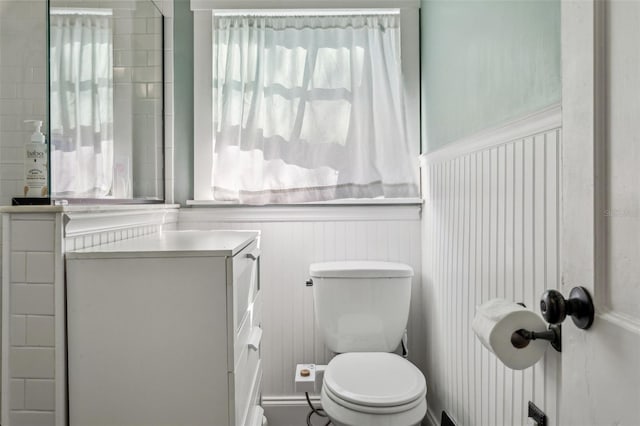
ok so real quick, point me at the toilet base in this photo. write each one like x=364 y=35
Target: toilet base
x=342 y=416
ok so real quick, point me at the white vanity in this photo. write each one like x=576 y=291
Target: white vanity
x=165 y=330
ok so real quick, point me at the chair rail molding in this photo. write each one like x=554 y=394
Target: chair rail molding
x=532 y=124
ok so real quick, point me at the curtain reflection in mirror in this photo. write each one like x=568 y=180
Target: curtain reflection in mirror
x=81 y=70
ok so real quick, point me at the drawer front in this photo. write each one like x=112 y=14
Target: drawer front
x=256 y=310
x=246 y=374
x=249 y=334
x=245 y=281
x=255 y=411
x=245 y=381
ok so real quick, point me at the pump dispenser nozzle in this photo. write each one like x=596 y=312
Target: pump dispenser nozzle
x=37 y=136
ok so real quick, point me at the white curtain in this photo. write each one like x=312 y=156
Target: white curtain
x=81 y=96
x=309 y=108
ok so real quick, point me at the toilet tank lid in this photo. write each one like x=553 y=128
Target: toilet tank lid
x=360 y=269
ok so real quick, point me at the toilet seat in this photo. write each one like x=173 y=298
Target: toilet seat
x=343 y=416
x=373 y=388
x=374 y=382
x=369 y=409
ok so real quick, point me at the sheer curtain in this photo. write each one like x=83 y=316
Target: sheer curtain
x=309 y=108
x=81 y=96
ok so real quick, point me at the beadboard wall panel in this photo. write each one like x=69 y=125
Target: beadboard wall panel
x=490 y=230
x=288 y=247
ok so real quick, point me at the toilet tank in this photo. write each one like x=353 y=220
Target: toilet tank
x=361 y=306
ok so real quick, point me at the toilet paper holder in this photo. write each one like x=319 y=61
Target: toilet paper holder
x=521 y=338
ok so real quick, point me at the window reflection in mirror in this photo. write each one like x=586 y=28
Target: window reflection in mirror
x=106 y=100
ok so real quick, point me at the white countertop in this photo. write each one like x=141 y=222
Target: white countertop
x=172 y=244
x=89 y=208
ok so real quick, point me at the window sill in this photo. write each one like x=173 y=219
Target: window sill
x=332 y=203
x=331 y=211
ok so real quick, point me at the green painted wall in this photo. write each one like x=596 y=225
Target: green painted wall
x=183 y=101
x=485 y=62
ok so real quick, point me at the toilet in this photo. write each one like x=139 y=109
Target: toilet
x=361 y=310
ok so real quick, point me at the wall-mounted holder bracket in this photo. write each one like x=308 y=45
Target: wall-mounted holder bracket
x=521 y=338
x=579 y=306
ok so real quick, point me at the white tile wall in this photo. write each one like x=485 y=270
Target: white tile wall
x=18 y=330
x=32 y=418
x=18 y=266
x=40 y=331
x=32 y=235
x=32 y=363
x=40 y=267
x=22 y=85
x=31 y=294
x=17 y=394
x=39 y=395
x=34 y=299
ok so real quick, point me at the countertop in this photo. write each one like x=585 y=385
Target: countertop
x=172 y=244
x=89 y=208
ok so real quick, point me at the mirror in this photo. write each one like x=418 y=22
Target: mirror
x=106 y=100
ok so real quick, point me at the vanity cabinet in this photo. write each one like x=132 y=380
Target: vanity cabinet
x=165 y=330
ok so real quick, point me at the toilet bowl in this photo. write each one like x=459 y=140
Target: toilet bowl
x=361 y=311
x=373 y=389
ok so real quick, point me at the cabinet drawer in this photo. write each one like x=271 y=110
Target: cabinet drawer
x=245 y=281
x=256 y=310
x=255 y=411
x=250 y=332
x=245 y=382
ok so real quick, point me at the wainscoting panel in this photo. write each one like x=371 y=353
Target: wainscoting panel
x=490 y=230
x=289 y=245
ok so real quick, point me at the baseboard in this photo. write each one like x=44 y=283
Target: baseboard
x=431 y=419
x=287 y=410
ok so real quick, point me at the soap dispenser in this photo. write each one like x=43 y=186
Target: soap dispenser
x=35 y=164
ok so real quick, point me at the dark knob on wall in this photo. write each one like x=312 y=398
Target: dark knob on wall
x=579 y=306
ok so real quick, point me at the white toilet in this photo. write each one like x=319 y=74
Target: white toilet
x=361 y=313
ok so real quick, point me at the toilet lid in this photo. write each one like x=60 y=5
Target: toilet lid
x=360 y=269
x=375 y=379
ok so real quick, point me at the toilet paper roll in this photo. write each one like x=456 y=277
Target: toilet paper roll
x=495 y=322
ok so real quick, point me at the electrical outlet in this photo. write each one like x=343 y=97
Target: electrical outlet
x=538 y=416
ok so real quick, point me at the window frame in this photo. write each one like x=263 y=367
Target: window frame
x=202 y=96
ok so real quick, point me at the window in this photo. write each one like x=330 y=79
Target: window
x=305 y=106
